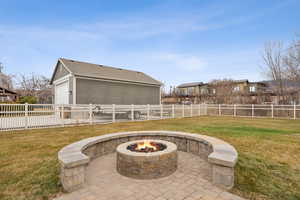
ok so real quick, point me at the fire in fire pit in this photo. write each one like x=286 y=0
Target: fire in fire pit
x=146 y=147
x=146 y=159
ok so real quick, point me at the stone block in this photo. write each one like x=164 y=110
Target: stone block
x=193 y=147
x=222 y=176
x=73 y=178
x=90 y=151
x=181 y=143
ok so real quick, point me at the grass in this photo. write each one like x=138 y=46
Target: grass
x=268 y=166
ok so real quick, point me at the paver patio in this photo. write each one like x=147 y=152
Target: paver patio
x=189 y=182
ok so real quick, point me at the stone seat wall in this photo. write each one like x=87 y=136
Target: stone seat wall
x=75 y=157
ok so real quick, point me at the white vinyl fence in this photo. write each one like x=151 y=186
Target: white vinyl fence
x=28 y=116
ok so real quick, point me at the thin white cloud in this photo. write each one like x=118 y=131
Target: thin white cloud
x=181 y=61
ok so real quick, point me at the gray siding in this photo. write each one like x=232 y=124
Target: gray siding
x=60 y=72
x=102 y=92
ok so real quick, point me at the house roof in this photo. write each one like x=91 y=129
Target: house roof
x=6 y=91
x=85 y=69
x=184 y=85
x=288 y=83
x=240 y=81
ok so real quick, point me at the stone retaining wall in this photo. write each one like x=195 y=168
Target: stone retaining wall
x=75 y=157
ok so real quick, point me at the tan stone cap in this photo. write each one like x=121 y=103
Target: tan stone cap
x=223 y=153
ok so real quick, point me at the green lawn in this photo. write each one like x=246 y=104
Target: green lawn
x=268 y=166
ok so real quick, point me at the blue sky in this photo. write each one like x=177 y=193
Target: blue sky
x=174 y=41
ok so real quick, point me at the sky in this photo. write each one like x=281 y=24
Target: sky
x=175 y=41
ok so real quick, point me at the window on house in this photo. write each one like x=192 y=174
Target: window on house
x=203 y=91
x=214 y=91
x=184 y=91
x=190 y=91
x=236 y=89
x=252 y=89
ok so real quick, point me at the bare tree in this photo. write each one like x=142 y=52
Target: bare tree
x=222 y=90
x=292 y=61
x=273 y=60
x=1 y=67
x=5 y=80
x=35 y=85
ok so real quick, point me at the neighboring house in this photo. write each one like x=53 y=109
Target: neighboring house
x=189 y=89
x=6 y=92
x=78 y=82
x=291 y=91
x=241 y=91
x=7 y=95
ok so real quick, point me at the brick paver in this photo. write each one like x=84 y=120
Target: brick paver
x=189 y=182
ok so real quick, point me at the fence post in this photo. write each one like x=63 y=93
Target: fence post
x=148 y=112
x=234 y=110
x=191 y=110
x=90 y=113
x=220 y=110
x=161 y=111
x=272 y=111
x=113 y=113
x=295 y=116
x=252 y=111
x=173 y=111
x=206 y=113
x=26 y=115
x=199 y=111
x=182 y=110
x=132 y=112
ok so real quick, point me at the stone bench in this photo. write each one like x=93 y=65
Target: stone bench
x=74 y=158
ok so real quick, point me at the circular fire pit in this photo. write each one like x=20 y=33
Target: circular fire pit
x=146 y=159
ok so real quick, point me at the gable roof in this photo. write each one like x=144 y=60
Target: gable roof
x=184 y=85
x=90 y=70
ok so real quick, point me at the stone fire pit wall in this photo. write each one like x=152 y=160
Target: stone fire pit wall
x=149 y=165
x=75 y=157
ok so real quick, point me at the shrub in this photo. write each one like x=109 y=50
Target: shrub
x=28 y=99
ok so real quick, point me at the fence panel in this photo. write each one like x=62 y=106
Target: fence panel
x=226 y=110
x=122 y=113
x=39 y=116
x=178 y=111
x=154 y=112
x=26 y=116
x=105 y=113
x=12 y=116
x=212 y=109
x=167 y=111
x=140 y=112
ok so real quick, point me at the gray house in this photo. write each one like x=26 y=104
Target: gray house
x=78 y=82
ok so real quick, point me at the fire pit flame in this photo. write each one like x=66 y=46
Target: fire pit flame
x=146 y=145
